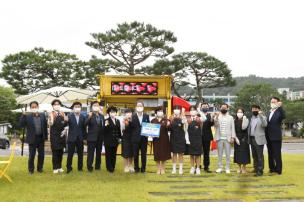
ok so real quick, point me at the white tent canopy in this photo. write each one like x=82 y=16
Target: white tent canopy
x=64 y=94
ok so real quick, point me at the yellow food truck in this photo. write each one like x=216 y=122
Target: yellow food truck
x=125 y=91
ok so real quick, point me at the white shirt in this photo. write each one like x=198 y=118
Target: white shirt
x=77 y=117
x=271 y=113
x=140 y=118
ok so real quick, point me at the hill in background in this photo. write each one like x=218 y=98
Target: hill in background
x=294 y=84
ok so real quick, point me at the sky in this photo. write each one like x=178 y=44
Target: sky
x=261 y=37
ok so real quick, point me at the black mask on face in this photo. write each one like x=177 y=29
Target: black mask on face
x=224 y=111
x=255 y=113
x=205 y=110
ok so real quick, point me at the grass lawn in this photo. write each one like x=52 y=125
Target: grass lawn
x=103 y=186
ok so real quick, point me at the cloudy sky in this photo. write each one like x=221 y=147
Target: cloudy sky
x=261 y=37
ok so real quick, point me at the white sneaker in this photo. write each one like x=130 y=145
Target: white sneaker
x=219 y=170
x=192 y=170
x=56 y=171
x=60 y=170
x=173 y=171
x=180 y=171
x=126 y=170
x=198 y=171
x=227 y=171
x=131 y=170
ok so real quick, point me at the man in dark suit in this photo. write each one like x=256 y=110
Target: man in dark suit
x=274 y=135
x=139 y=142
x=77 y=132
x=36 y=133
x=207 y=136
x=95 y=123
x=112 y=137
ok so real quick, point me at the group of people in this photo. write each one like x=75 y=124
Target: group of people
x=179 y=134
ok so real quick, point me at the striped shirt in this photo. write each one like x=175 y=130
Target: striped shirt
x=223 y=128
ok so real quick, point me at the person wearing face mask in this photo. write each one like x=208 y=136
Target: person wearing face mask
x=57 y=122
x=139 y=142
x=95 y=136
x=177 y=138
x=257 y=139
x=225 y=135
x=195 y=137
x=36 y=134
x=207 y=135
x=76 y=134
x=274 y=135
x=161 y=145
x=112 y=138
x=127 y=150
x=241 y=146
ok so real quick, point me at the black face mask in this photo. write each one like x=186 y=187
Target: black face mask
x=255 y=113
x=224 y=111
x=205 y=110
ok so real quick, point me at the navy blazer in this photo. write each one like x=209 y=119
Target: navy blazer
x=135 y=127
x=206 y=129
x=27 y=122
x=112 y=132
x=76 y=130
x=95 y=131
x=273 y=129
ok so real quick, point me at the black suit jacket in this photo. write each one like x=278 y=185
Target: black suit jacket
x=76 y=130
x=27 y=122
x=95 y=131
x=273 y=129
x=206 y=129
x=112 y=132
x=135 y=127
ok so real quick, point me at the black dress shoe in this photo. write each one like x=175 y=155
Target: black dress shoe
x=90 y=170
x=98 y=168
x=31 y=172
x=142 y=170
x=208 y=171
x=69 y=170
x=80 y=170
x=40 y=171
x=258 y=174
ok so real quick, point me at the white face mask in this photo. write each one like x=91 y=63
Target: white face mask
x=128 y=115
x=112 y=114
x=239 y=115
x=160 y=114
x=176 y=111
x=34 y=110
x=56 y=107
x=95 y=109
x=193 y=112
x=77 y=109
x=273 y=105
x=139 y=109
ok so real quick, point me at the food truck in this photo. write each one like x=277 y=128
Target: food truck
x=125 y=91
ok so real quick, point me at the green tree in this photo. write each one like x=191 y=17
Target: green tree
x=38 y=69
x=294 y=111
x=94 y=67
x=167 y=67
x=195 y=69
x=7 y=103
x=130 y=44
x=259 y=94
